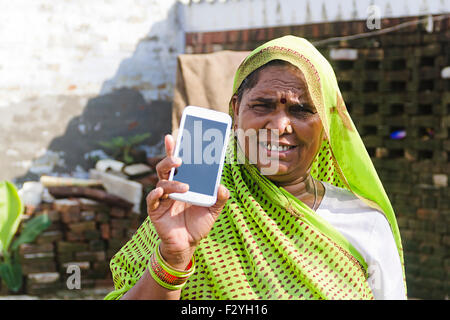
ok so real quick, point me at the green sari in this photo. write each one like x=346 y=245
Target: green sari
x=267 y=244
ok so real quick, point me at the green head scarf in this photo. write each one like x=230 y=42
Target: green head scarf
x=267 y=244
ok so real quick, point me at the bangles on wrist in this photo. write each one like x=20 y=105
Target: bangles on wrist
x=165 y=275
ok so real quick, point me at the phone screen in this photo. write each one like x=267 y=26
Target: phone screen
x=201 y=149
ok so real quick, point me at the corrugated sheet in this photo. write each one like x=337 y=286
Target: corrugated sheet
x=215 y=15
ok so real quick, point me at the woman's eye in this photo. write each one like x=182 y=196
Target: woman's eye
x=301 y=108
x=260 y=107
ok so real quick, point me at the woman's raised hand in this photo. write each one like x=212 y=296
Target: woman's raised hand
x=180 y=225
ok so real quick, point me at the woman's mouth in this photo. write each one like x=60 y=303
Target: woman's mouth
x=276 y=147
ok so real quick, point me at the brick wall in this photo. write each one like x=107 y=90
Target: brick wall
x=394 y=85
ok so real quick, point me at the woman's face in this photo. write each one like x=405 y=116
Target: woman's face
x=279 y=104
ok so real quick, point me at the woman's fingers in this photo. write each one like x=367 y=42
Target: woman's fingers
x=173 y=186
x=222 y=196
x=165 y=165
x=170 y=145
x=161 y=192
x=153 y=199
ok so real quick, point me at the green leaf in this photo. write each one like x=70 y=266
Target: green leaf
x=114 y=143
x=31 y=230
x=11 y=273
x=138 y=138
x=118 y=142
x=107 y=144
x=11 y=208
x=127 y=158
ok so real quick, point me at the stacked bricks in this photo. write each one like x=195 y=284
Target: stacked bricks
x=394 y=85
x=83 y=237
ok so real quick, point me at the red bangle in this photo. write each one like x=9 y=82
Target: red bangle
x=167 y=276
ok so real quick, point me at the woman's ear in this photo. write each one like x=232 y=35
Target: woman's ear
x=324 y=135
x=235 y=106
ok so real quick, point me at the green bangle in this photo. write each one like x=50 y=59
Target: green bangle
x=165 y=284
x=173 y=271
x=165 y=275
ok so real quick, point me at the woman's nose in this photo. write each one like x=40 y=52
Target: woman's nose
x=280 y=121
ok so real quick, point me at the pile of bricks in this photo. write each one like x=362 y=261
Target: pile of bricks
x=74 y=252
x=396 y=88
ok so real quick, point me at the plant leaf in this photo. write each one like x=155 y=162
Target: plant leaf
x=115 y=143
x=118 y=142
x=11 y=208
x=138 y=138
x=106 y=144
x=11 y=273
x=31 y=230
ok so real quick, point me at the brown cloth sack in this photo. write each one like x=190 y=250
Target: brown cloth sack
x=205 y=80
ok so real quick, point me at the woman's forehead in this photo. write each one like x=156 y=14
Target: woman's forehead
x=283 y=75
x=274 y=80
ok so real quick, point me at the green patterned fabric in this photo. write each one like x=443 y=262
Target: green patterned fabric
x=267 y=244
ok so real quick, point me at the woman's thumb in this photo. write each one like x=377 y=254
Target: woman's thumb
x=222 y=196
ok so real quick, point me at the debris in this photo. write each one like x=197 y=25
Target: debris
x=109 y=165
x=49 y=181
x=343 y=54
x=31 y=193
x=136 y=170
x=440 y=180
x=427 y=134
x=98 y=154
x=90 y=193
x=398 y=135
x=129 y=190
x=47 y=197
x=46 y=163
x=445 y=73
x=44 y=277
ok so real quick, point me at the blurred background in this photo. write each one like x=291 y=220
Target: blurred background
x=87 y=90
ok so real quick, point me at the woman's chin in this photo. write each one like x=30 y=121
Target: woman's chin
x=274 y=169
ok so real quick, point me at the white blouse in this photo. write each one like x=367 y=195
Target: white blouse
x=369 y=232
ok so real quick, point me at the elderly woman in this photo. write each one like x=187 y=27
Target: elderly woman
x=319 y=227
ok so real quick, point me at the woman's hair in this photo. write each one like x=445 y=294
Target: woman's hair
x=250 y=81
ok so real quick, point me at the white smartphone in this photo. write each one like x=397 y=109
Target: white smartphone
x=201 y=144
